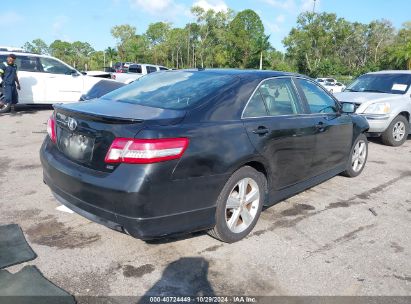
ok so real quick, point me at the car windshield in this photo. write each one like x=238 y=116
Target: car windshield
x=171 y=89
x=381 y=83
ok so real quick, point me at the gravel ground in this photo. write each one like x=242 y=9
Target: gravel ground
x=345 y=237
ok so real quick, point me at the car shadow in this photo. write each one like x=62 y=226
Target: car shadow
x=174 y=238
x=185 y=277
x=377 y=140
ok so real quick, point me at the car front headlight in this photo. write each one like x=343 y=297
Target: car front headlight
x=378 y=108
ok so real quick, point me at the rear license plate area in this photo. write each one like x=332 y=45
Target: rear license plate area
x=76 y=146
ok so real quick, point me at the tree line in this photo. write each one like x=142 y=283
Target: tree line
x=320 y=44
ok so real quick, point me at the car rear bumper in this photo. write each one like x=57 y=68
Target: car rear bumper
x=136 y=205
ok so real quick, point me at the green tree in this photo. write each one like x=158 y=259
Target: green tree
x=157 y=34
x=81 y=54
x=62 y=50
x=211 y=35
x=111 y=54
x=399 y=53
x=123 y=33
x=37 y=46
x=247 y=40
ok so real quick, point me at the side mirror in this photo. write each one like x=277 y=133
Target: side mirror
x=348 y=107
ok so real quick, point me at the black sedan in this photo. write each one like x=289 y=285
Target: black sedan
x=182 y=151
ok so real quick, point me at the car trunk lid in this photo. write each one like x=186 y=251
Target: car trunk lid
x=86 y=130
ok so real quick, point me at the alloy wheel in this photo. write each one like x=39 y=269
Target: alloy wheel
x=242 y=205
x=398 y=131
x=359 y=155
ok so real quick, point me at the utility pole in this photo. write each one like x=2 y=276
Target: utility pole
x=314 y=6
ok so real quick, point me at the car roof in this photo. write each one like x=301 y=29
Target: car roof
x=23 y=54
x=392 y=72
x=245 y=73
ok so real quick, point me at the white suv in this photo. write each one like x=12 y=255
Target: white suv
x=47 y=80
x=384 y=99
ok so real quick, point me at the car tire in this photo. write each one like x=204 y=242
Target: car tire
x=358 y=157
x=6 y=106
x=236 y=215
x=397 y=132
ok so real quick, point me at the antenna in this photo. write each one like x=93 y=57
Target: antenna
x=314 y=6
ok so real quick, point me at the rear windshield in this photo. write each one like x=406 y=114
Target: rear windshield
x=172 y=89
x=381 y=83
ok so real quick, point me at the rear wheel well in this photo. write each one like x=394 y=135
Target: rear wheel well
x=258 y=166
x=406 y=115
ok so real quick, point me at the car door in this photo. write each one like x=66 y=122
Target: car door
x=280 y=131
x=62 y=83
x=29 y=72
x=335 y=130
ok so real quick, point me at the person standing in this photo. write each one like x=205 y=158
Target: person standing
x=11 y=84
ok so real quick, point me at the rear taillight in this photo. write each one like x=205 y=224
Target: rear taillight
x=51 y=128
x=145 y=151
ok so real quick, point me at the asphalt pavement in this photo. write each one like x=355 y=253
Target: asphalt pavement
x=345 y=237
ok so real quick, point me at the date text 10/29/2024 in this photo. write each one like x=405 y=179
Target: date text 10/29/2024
x=203 y=299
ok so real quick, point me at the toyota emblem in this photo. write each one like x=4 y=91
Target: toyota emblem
x=71 y=123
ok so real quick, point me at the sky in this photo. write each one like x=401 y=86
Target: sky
x=91 y=20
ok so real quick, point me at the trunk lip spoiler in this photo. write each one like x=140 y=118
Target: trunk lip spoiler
x=95 y=116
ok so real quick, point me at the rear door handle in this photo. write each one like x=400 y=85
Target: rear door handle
x=261 y=130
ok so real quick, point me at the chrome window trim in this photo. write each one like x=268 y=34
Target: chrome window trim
x=326 y=91
x=258 y=86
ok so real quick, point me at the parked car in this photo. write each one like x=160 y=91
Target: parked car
x=47 y=80
x=384 y=98
x=122 y=67
x=331 y=84
x=326 y=80
x=99 y=74
x=101 y=88
x=191 y=150
x=135 y=71
x=336 y=87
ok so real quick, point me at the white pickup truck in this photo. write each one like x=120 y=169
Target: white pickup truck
x=135 y=71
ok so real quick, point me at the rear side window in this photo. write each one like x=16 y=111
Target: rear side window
x=28 y=64
x=256 y=106
x=151 y=69
x=135 y=68
x=318 y=100
x=163 y=69
x=172 y=89
x=279 y=97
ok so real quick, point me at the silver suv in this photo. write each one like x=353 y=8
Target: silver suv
x=384 y=98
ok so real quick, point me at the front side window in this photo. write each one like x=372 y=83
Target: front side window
x=279 y=97
x=381 y=83
x=318 y=100
x=55 y=67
